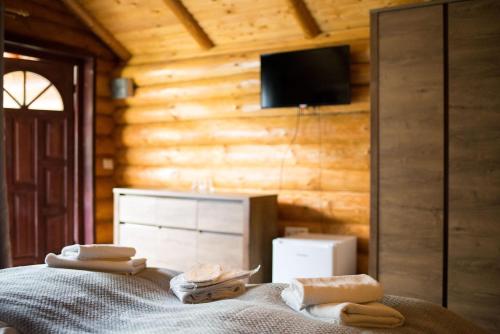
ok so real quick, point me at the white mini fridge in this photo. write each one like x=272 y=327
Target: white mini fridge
x=313 y=255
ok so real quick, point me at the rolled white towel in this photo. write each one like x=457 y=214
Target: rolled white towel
x=360 y=315
x=219 y=291
x=336 y=289
x=98 y=252
x=126 y=267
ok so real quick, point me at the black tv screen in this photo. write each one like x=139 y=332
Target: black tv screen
x=309 y=77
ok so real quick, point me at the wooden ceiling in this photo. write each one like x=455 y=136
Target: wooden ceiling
x=154 y=30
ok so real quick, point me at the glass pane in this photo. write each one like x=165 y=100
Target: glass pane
x=13 y=82
x=35 y=84
x=9 y=102
x=49 y=100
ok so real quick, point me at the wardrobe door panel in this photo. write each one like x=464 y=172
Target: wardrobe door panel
x=474 y=167
x=410 y=148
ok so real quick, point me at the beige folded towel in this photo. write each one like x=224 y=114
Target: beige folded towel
x=361 y=315
x=336 y=289
x=98 y=252
x=125 y=267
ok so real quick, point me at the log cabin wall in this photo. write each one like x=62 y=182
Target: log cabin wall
x=195 y=114
x=50 y=21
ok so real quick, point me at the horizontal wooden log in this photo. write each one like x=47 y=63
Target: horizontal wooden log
x=215 y=66
x=192 y=69
x=99 y=167
x=352 y=156
x=105 y=145
x=236 y=85
x=104 y=106
x=263 y=130
x=328 y=206
x=265 y=178
x=104 y=232
x=361 y=232
x=104 y=210
x=41 y=29
x=357 y=38
x=238 y=107
x=316 y=206
x=104 y=125
x=104 y=188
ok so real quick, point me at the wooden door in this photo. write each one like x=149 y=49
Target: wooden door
x=39 y=113
x=474 y=167
x=409 y=146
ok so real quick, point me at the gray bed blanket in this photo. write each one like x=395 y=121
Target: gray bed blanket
x=37 y=299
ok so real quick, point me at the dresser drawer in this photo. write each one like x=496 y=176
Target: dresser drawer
x=144 y=238
x=221 y=216
x=176 y=249
x=174 y=212
x=137 y=209
x=220 y=248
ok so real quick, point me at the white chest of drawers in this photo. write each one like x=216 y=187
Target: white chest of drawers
x=176 y=230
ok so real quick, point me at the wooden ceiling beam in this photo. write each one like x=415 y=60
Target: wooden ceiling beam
x=190 y=23
x=304 y=18
x=98 y=29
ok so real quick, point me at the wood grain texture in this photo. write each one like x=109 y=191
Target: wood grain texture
x=152 y=32
x=410 y=150
x=259 y=130
x=304 y=18
x=190 y=23
x=98 y=29
x=474 y=174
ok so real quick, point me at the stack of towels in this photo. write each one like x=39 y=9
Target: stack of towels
x=107 y=258
x=209 y=282
x=347 y=300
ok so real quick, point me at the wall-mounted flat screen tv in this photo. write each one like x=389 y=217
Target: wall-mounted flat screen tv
x=308 y=77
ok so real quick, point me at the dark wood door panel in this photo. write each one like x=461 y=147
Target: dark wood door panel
x=56 y=134
x=410 y=148
x=474 y=123
x=54 y=188
x=23 y=150
x=24 y=228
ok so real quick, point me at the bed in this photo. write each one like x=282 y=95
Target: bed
x=38 y=299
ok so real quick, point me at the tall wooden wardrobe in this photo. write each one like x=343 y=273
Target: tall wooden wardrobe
x=436 y=154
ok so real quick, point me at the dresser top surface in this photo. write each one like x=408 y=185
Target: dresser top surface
x=188 y=194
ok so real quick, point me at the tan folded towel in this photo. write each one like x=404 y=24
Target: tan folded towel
x=125 y=267
x=98 y=252
x=336 y=289
x=361 y=315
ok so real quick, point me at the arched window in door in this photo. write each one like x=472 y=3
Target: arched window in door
x=29 y=90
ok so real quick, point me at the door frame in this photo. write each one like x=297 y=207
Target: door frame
x=84 y=124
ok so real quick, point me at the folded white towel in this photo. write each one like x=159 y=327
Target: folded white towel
x=336 y=289
x=219 y=291
x=98 y=252
x=126 y=267
x=206 y=283
x=361 y=315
